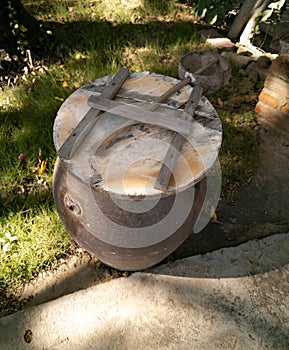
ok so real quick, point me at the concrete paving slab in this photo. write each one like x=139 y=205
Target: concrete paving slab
x=233 y=298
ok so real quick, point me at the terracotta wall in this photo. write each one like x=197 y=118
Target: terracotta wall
x=273 y=104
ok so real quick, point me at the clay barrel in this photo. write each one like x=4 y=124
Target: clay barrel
x=105 y=193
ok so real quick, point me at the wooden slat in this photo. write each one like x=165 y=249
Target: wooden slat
x=177 y=142
x=96 y=178
x=160 y=99
x=208 y=65
x=71 y=144
x=141 y=115
x=172 y=90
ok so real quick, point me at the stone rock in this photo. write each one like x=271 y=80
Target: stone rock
x=243 y=72
x=220 y=43
x=239 y=61
x=264 y=62
x=254 y=66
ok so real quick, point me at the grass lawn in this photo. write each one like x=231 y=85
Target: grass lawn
x=93 y=39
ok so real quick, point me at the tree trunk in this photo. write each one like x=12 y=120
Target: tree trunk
x=246 y=19
x=247 y=31
x=16 y=26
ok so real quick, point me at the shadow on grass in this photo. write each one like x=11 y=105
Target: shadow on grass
x=102 y=35
x=27 y=128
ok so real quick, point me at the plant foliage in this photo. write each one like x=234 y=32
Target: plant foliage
x=220 y=12
x=213 y=12
x=273 y=12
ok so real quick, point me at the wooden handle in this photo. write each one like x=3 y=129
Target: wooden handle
x=73 y=141
x=208 y=65
x=172 y=90
x=129 y=123
x=177 y=142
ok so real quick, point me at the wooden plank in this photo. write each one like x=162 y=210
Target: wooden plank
x=160 y=99
x=172 y=90
x=133 y=112
x=208 y=65
x=96 y=178
x=177 y=142
x=71 y=144
x=133 y=96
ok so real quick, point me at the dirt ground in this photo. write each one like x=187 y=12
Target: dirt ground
x=257 y=210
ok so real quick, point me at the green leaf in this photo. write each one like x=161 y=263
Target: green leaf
x=8 y=234
x=281 y=3
x=6 y=247
x=266 y=14
x=23 y=28
x=203 y=14
x=214 y=19
x=273 y=5
x=277 y=5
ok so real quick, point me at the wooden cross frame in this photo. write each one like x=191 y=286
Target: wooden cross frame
x=180 y=127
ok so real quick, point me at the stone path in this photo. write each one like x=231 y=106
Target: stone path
x=232 y=298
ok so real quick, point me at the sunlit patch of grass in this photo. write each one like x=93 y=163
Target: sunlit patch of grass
x=160 y=7
x=160 y=57
x=39 y=239
x=114 y=11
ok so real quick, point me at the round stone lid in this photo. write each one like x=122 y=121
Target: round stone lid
x=124 y=149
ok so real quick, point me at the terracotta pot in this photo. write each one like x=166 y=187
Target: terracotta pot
x=105 y=193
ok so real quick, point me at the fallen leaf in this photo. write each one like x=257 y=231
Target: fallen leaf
x=220 y=102
x=42 y=167
x=79 y=56
x=21 y=188
x=21 y=157
x=59 y=98
x=28 y=336
x=214 y=216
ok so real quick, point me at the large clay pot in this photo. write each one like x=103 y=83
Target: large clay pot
x=120 y=217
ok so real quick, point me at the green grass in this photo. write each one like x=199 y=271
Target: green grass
x=39 y=239
x=94 y=38
x=26 y=205
x=239 y=153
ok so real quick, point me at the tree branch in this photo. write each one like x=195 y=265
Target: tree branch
x=246 y=19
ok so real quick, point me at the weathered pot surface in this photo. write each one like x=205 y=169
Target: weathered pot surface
x=105 y=193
